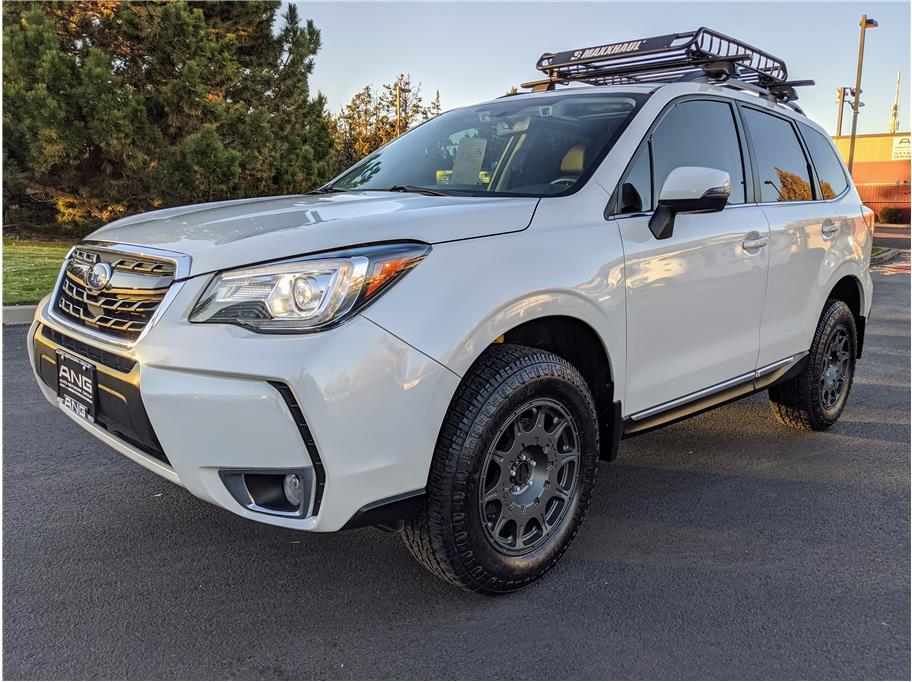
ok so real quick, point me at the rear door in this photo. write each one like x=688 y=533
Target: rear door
x=694 y=299
x=803 y=230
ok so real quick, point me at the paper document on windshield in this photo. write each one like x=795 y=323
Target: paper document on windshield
x=469 y=157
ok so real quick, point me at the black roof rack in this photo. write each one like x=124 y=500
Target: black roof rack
x=703 y=54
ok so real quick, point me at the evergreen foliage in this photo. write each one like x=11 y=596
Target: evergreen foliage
x=113 y=108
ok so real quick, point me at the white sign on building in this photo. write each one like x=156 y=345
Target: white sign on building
x=902 y=148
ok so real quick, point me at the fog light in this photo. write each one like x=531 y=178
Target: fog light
x=285 y=492
x=292 y=486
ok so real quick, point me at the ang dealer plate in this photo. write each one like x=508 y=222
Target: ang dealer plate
x=76 y=386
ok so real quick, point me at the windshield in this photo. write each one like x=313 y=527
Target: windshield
x=525 y=146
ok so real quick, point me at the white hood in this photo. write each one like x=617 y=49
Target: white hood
x=229 y=234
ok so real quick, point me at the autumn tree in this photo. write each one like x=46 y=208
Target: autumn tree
x=369 y=120
x=435 y=108
x=361 y=127
x=112 y=108
x=401 y=102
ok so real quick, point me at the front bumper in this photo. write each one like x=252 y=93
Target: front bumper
x=219 y=398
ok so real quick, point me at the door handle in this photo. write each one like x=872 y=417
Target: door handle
x=829 y=228
x=751 y=243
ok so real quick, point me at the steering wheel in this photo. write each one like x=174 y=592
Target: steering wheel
x=565 y=180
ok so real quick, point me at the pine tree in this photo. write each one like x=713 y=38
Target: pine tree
x=112 y=108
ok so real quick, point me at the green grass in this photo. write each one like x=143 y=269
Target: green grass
x=30 y=268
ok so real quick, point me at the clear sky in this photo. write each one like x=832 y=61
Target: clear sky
x=473 y=51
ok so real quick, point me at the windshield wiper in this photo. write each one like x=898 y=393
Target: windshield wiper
x=417 y=190
x=326 y=190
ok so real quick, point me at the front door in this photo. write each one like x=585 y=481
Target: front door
x=693 y=300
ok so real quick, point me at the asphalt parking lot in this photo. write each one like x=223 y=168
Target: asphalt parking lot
x=722 y=547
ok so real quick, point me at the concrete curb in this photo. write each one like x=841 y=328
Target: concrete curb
x=885 y=256
x=18 y=314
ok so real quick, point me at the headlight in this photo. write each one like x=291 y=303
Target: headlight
x=307 y=294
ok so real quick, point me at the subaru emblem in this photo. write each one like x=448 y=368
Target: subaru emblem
x=98 y=276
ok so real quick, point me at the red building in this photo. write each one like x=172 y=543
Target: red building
x=882 y=169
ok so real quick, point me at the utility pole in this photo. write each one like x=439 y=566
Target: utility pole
x=399 y=91
x=840 y=97
x=865 y=24
x=894 y=113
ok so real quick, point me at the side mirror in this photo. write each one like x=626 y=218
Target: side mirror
x=689 y=189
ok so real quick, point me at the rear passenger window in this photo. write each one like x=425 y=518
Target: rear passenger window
x=827 y=164
x=636 y=192
x=781 y=163
x=699 y=133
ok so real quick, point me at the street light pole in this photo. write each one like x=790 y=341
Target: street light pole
x=865 y=24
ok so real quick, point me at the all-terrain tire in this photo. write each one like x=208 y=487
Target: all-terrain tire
x=801 y=402
x=449 y=536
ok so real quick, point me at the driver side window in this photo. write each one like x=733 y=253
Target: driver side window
x=699 y=133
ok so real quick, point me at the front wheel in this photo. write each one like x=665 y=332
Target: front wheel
x=813 y=400
x=512 y=474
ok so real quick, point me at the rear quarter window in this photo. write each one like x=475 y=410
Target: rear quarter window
x=828 y=165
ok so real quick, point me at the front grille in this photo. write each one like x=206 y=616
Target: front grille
x=111 y=292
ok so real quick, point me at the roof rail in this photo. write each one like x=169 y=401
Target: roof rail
x=703 y=54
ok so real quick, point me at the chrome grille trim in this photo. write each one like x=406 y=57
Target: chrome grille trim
x=143 y=283
x=121 y=303
x=145 y=266
x=84 y=256
x=181 y=260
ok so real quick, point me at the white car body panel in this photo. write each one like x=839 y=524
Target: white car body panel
x=235 y=233
x=674 y=316
x=692 y=303
x=503 y=285
x=805 y=265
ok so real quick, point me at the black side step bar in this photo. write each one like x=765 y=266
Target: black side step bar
x=714 y=396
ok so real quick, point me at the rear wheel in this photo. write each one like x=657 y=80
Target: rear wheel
x=814 y=399
x=512 y=473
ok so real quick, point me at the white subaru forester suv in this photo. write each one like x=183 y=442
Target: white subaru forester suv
x=447 y=338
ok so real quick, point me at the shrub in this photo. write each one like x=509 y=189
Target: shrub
x=891 y=214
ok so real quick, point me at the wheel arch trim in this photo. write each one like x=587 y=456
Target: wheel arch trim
x=849 y=273
x=539 y=305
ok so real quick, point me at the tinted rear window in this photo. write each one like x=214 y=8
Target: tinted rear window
x=783 y=168
x=827 y=164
